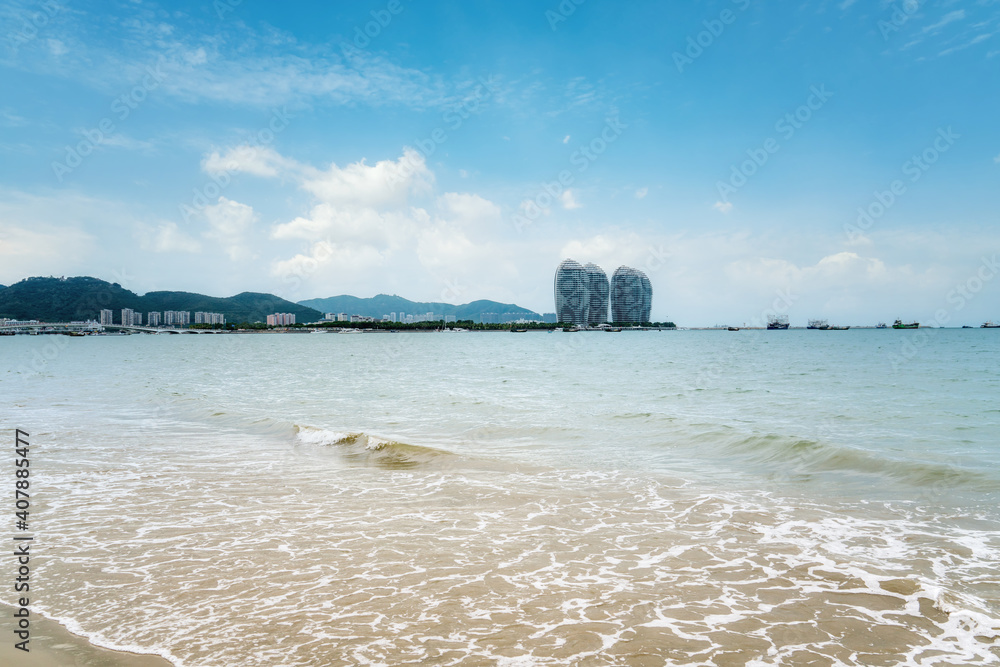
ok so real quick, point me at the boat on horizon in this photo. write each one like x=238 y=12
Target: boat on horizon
x=989 y=325
x=733 y=328
x=899 y=324
x=778 y=322
x=818 y=324
x=836 y=328
x=881 y=325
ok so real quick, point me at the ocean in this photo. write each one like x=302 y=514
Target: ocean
x=635 y=498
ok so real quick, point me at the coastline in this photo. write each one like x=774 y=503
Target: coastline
x=53 y=645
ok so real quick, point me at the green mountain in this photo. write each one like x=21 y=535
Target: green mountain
x=384 y=304
x=82 y=298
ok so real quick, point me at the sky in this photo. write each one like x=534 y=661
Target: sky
x=829 y=159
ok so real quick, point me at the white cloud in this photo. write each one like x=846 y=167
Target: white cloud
x=384 y=184
x=469 y=208
x=257 y=160
x=128 y=143
x=641 y=193
x=166 y=237
x=950 y=17
x=353 y=225
x=566 y=139
x=568 y=200
x=57 y=48
x=229 y=222
x=236 y=65
x=27 y=251
x=323 y=254
x=723 y=206
x=609 y=250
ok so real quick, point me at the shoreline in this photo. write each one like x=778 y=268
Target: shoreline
x=53 y=645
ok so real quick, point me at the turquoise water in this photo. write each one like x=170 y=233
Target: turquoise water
x=858 y=472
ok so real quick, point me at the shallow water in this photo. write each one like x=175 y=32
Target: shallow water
x=636 y=498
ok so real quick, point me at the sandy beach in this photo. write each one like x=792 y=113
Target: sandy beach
x=52 y=645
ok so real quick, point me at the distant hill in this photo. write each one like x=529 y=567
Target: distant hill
x=383 y=304
x=82 y=298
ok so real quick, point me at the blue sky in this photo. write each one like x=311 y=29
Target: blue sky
x=460 y=150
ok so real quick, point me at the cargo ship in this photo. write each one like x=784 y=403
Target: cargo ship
x=778 y=322
x=898 y=324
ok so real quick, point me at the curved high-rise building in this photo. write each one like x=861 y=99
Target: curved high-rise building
x=599 y=292
x=572 y=293
x=631 y=295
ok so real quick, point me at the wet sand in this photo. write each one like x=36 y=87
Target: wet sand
x=52 y=645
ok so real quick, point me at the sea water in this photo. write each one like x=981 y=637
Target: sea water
x=633 y=498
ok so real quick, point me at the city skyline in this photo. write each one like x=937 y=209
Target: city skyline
x=225 y=147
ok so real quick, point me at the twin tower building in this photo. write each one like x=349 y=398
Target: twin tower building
x=582 y=294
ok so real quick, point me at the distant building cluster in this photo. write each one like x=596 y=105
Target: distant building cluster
x=168 y=318
x=130 y=318
x=209 y=318
x=176 y=318
x=504 y=318
x=403 y=318
x=280 y=319
x=583 y=294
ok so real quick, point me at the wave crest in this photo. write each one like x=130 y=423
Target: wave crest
x=363 y=448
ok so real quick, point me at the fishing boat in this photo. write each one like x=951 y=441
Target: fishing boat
x=899 y=324
x=837 y=328
x=881 y=325
x=818 y=324
x=989 y=325
x=733 y=328
x=779 y=322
